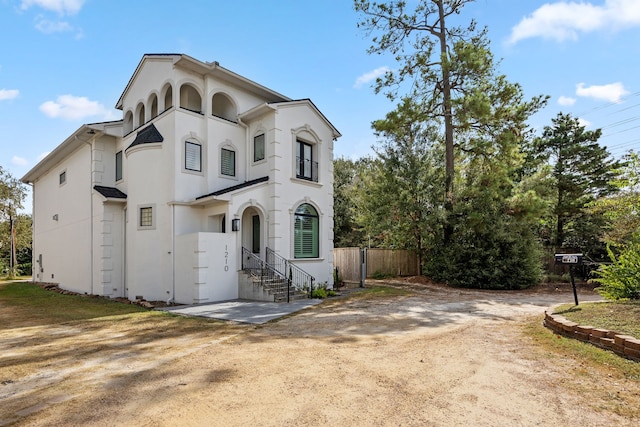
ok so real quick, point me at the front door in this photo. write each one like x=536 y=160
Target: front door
x=255 y=234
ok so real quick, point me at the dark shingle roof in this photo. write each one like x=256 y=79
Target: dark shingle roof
x=147 y=135
x=110 y=192
x=235 y=187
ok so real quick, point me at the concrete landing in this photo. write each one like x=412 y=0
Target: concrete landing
x=243 y=311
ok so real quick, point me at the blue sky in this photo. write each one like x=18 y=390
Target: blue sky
x=66 y=62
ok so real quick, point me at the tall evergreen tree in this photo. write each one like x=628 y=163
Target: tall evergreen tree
x=583 y=171
x=398 y=199
x=346 y=232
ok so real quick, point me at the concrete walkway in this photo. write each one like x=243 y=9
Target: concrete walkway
x=243 y=311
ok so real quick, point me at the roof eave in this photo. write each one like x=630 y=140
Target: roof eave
x=69 y=145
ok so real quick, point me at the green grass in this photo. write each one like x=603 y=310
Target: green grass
x=590 y=356
x=623 y=317
x=27 y=300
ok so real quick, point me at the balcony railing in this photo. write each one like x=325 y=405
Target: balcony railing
x=306 y=169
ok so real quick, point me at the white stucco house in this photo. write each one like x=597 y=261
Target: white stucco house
x=211 y=187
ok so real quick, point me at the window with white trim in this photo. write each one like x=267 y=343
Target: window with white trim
x=192 y=156
x=228 y=162
x=146 y=217
x=118 y=165
x=258 y=147
x=306 y=167
x=62 y=178
x=306 y=232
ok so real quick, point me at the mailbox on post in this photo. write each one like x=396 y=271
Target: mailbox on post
x=570 y=260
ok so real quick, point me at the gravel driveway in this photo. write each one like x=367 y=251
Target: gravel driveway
x=434 y=357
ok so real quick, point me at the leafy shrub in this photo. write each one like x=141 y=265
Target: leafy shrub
x=320 y=293
x=24 y=269
x=620 y=280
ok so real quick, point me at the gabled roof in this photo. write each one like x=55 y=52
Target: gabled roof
x=204 y=68
x=235 y=187
x=148 y=135
x=266 y=107
x=110 y=192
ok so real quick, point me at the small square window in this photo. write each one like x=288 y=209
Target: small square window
x=258 y=148
x=63 y=177
x=146 y=216
x=192 y=156
x=228 y=162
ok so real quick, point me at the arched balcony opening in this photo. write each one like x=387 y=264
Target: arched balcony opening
x=190 y=98
x=222 y=106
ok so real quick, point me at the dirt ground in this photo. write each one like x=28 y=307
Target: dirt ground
x=435 y=357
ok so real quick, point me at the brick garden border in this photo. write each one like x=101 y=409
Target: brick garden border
x=623 y=345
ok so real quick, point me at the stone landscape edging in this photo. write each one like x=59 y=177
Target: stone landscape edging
x=623 y=345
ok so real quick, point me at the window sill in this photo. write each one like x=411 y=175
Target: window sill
x=308 y=259
x=307 y=182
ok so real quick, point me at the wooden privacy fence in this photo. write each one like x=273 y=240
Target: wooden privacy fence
x=383 y=262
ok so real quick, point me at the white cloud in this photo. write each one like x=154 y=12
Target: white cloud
x=19 y=161
x=583 y=122
x=566 y=100
x=612 y=92
x=48 y=27
x=566 y=20
x=8 y=94
x=74 y=107
x=63 y=7
x=370 y=76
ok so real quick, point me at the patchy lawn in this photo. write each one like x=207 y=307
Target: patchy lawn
x=623 y=317
x=25 y=304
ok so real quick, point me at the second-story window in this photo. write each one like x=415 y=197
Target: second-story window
x=118 y=165
x=306 y=167
x=258 y=148
x=228 y=162
x=192 y=156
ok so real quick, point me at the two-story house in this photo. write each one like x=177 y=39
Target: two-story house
x=207 y=176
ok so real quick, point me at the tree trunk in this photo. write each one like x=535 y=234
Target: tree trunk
x=448 y=126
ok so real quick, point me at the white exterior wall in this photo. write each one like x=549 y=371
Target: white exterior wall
x=150 y=184
x=64 y=243
x=112 y=255
x=291 y=192
x=206 y=268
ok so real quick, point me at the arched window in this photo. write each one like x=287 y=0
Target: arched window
x=168 y=98
x=190 y=98
x=153 y=105
x=306 y=232
x=140 y=115
x=128 y=122
x=222 y=106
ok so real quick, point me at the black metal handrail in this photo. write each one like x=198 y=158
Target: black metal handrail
x=253 y=264
x=306 y=169
x=299 y=278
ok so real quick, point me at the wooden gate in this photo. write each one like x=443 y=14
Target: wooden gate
x=383 y=262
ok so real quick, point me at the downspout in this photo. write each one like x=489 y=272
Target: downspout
x=247 y=150
x=33 y=231
x=90 y=144
x=173 y=255
x=247 y=147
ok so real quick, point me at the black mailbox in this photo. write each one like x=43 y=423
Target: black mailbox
x=570 y=259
